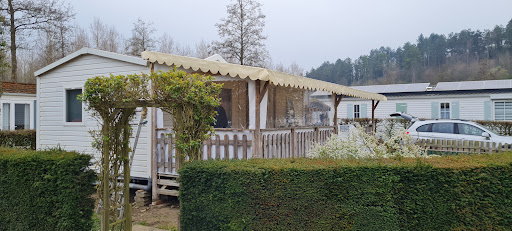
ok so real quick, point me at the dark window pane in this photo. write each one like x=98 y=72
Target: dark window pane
x=443 y=128
x=73 y=106
x=224 y=110
x=423 y=128
x=21 y=116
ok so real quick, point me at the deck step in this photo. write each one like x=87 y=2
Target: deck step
x=169 y=175
x=173 y=183
x=168 y=192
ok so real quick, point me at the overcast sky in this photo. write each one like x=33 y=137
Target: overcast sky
x=307 y=32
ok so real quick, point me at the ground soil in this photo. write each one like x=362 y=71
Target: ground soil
x=162 y=216
x=165 y=215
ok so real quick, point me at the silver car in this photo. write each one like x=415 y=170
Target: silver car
x=446 y=129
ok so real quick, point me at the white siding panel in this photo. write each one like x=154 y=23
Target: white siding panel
x=471 y=107
x=52 y=131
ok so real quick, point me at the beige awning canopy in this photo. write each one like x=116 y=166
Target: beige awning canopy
x=256 y=73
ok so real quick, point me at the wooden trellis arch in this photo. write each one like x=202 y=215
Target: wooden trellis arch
x=190 y=98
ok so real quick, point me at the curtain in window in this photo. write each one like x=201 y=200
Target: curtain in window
x=27 y=116
x=6 y=116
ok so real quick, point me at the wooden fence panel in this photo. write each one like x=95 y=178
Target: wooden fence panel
x=244 y=145
x=465 y=146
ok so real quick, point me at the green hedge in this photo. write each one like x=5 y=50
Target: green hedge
x=18 y=138
x=467 y=192
x=45 y=190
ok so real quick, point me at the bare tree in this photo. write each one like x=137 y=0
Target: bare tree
x=184 y=50
x=24 y=16
x=141 y=39
x=295 y=69
x=166 y=44
x=241 y=34
x=4 y=65
x=203 y=49
x=105 y=37
x=79 y=39
x=279 y=67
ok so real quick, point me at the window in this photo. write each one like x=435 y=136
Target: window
x=445 y=110
x=21 y=116
x=73 y=106
x=443 y=128
x=224 y=110
x=423 y=128
x=6 y=116
x=466 y=129
x=503 y=110
x=357 y=112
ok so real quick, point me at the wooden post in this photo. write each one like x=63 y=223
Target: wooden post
x=260 y=93
x=127 y=213
x=154 y=173
x=292 y=142
x=317 y=135
x=337 y=100
x=106 y=183
x=374 y=106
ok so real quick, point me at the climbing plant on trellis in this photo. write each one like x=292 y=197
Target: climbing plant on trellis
x=191 y=99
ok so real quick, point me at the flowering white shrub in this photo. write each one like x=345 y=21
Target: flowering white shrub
x=359 y=144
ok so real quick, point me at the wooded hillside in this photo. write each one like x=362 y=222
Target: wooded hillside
x=465 y=55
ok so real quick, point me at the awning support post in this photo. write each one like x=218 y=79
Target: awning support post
x=260 y=93
x=374 y=106
x=337 y=100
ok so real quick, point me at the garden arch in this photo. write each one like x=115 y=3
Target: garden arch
x=191 y=99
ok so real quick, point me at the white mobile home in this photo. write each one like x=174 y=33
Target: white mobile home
x=263 y=113
x=18 y=104
x=469 y=100
x=62 y=120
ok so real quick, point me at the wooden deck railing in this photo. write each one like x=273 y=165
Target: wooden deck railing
x=293 y=142
x=237 y=144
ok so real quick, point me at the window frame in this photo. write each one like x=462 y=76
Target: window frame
x=12 y=104
x=493 y=109
x=441 y=110
x=65 y=106
x=358 y=112
x=429 y=127
x=458 y=130
x=454 y=128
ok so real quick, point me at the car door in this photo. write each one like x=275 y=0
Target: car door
x=469 y=132
x=443 y=131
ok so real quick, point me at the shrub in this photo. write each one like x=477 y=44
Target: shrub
x=19 y=138
x=45 y=190
x=466 y=192
x=503 y=128
x=359 y=144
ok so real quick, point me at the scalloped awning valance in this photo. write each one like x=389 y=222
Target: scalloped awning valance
x=257 y=73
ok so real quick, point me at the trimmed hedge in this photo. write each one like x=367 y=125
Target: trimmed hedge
x=503 y=128
x=18 y=138
x=467 y=192
x=45 y=190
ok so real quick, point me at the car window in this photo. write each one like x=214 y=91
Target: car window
x=443 y=128
x=423 y=128
x=467 y=129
